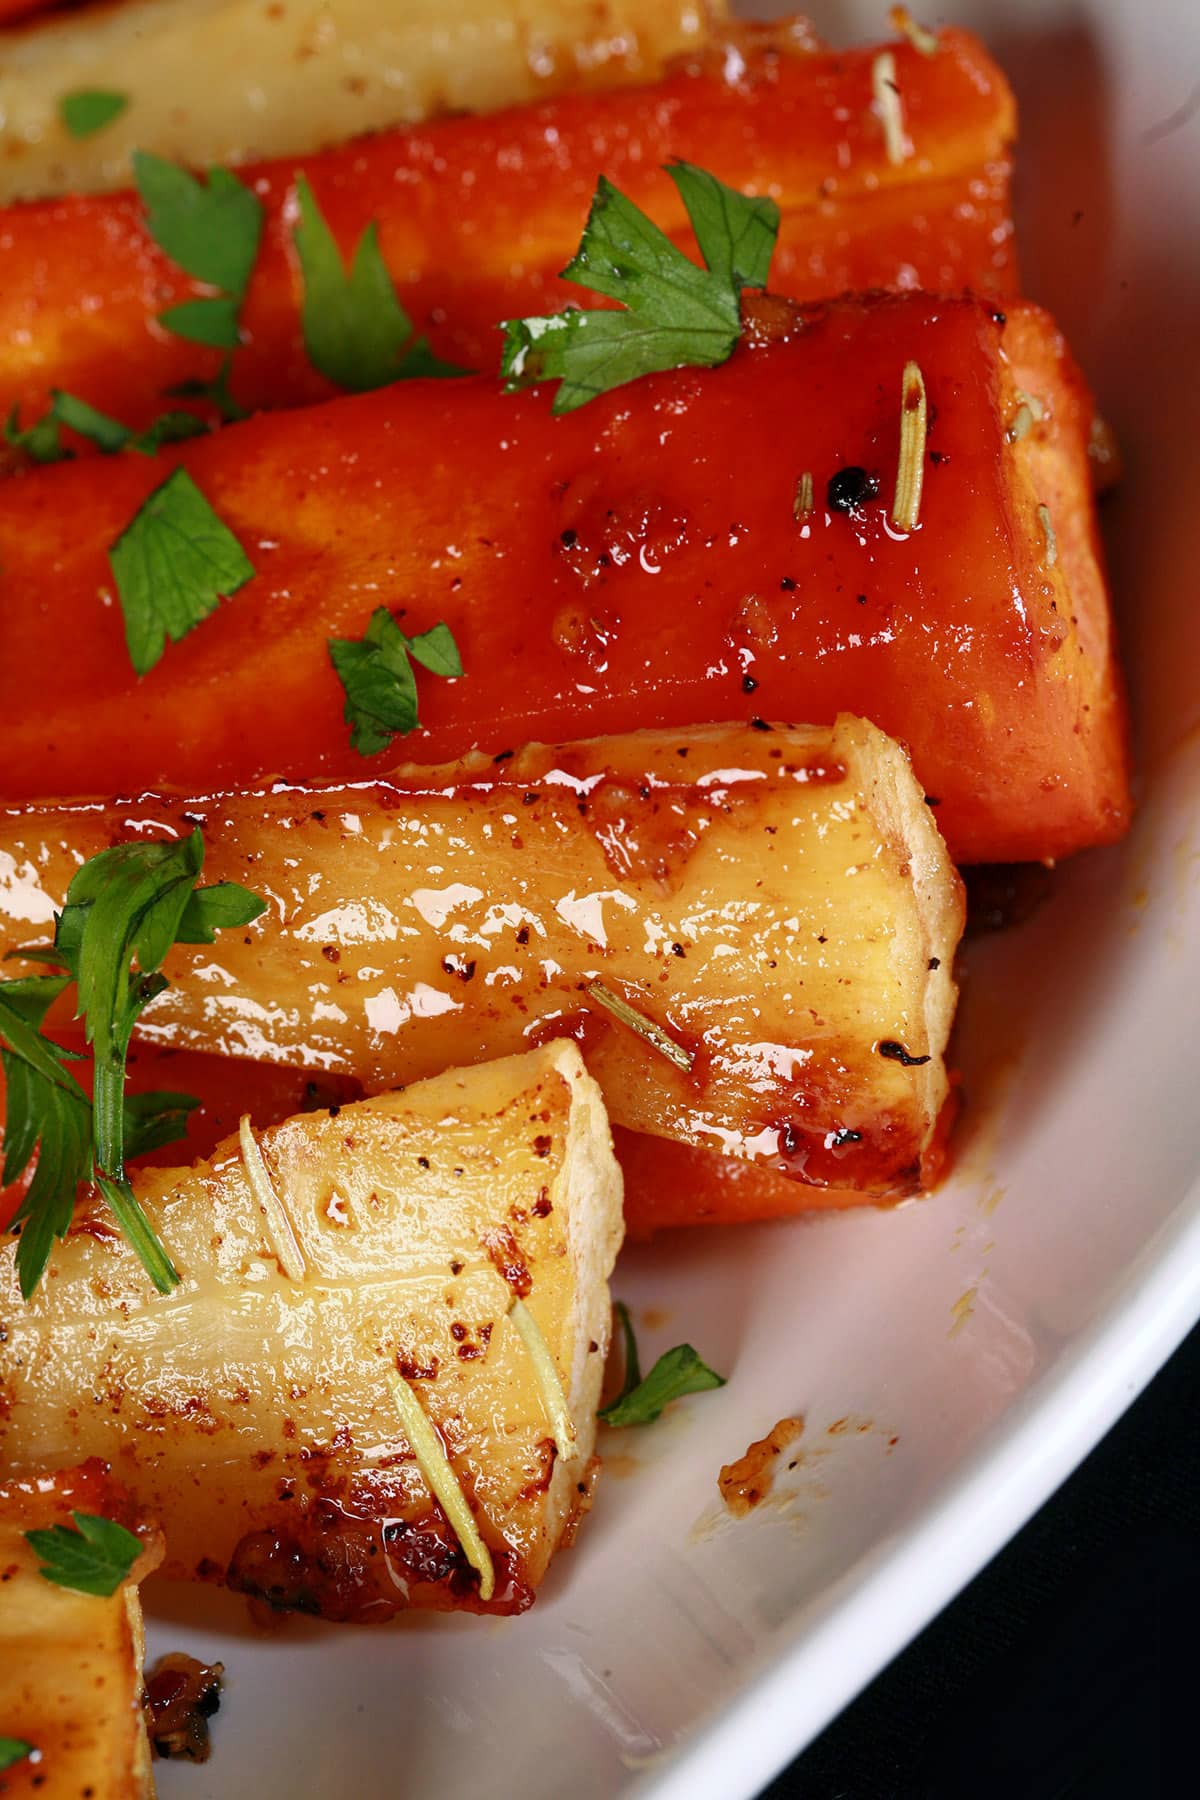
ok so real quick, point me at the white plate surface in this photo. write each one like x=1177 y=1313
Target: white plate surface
x=953 y=1359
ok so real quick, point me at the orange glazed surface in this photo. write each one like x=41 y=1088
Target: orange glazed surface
x=477 y=214
x=635 y=563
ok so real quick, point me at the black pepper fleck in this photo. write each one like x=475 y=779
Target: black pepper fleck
x=850 y=489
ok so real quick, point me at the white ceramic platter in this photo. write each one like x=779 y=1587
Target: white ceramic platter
x=971 y=1348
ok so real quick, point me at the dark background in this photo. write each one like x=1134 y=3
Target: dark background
x=1068 y=1669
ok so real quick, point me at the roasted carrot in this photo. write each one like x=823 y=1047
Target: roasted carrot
x=667 y=1184
x=477 y=214
x=638 y=562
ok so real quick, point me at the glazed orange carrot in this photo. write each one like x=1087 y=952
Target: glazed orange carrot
x=667 y=1183
x=477 y=214
x=637 y=562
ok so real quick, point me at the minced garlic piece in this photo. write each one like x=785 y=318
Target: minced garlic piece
x=443 y=1483
x=1051 y=538
x=901 y=20
x=553 y=1398
x=280 y=1235
x=889 y=107
x=910 y=470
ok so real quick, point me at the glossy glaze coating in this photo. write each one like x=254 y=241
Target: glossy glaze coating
x=773 y=900
x=636 y=563
x=249 y=1410
x=477 y=214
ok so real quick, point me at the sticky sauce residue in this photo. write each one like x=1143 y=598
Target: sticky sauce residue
x=746 y=1482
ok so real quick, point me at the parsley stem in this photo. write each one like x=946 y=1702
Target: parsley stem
x=108 y=1103
x=140 y=1233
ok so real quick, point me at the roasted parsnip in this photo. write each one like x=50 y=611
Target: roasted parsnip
x=476 y=216
x=750 y=931
x=223 y=80
x=71 y=1662
x=403 y=1299
x=646 y=560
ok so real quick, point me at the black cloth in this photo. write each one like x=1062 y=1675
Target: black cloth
x=1067 y=1670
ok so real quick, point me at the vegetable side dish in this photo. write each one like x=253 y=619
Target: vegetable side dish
x=509 y=625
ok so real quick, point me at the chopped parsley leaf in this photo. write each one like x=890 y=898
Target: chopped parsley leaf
x=675 y=313
x=42 y=441
x=88 y=110
x=216 y=392
x=211 y=320
x=355 y=330
x=172 y=564
x=377 y=675
x=676 y=1373
x=94 y=1558
x=126 y=906
x=47 y=1110
x=210 y=228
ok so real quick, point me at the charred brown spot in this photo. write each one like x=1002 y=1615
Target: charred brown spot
x=341 y=1565
x=181 y=1696
x=896 y=1052
x=504 y=1254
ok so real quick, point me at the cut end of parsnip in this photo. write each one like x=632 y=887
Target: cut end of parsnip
x=254 y=1410
x=71 y=1663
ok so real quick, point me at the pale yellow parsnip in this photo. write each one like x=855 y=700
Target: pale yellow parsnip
x=70 y=1663
x=233 y=80
x=248 y=1411
x=780 y=902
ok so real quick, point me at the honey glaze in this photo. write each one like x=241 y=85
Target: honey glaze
x=744 y=1484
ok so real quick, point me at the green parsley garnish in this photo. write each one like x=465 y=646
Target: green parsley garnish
x=172 y=564
x=47 y=1110
x=211 y=321
x=678 y=1372
x=212 y=229
x=355 y=330
x=125 y=909
x=132 y=903
x=381 y=689
x=95 y=1558
x=42 y=441
x=13 y=1750
x=215 y=392
x=87 y=110
x=155 y=1119
x=675 y=313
